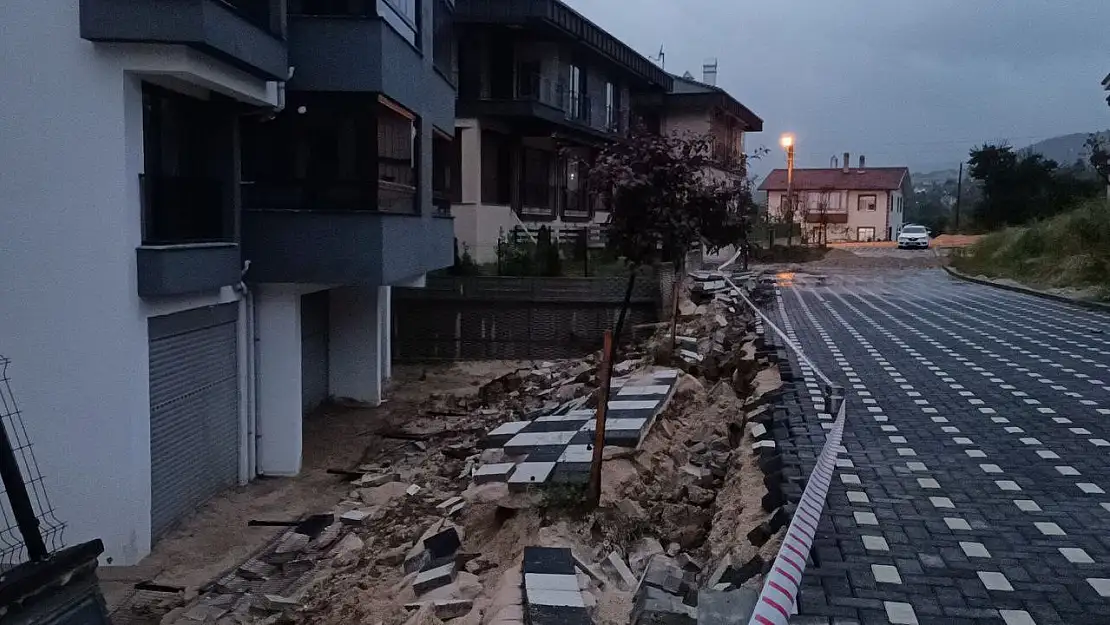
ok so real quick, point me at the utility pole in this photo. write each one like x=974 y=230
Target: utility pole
x=959 y=197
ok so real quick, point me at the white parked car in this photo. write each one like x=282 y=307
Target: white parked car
x=913 y=235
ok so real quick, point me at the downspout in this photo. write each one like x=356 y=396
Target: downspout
x=248 y=466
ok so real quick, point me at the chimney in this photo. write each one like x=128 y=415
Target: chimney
x=709 y=72
x=862 y=161
x=847 y=162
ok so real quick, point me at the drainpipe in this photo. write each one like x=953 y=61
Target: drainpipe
x=249 y=338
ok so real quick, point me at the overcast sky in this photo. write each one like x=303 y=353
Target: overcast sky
x=906 y=82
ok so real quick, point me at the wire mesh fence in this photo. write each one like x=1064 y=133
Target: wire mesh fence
x=29 y=528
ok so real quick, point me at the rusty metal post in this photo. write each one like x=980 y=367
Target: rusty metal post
x=605 y=373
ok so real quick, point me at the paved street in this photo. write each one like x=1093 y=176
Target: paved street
x=973 y=487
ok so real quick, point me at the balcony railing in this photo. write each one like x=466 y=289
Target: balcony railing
x=180 y=210
x=579 y=108
x=342 y=196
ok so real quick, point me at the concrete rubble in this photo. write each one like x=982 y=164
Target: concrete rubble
x=440 y=532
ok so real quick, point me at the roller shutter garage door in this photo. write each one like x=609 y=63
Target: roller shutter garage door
x=194 y=410
x=314 y=349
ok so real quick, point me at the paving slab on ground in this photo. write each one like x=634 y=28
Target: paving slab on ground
x=974 y=484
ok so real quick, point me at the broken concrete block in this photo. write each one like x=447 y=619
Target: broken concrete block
x=457 y=508
x=277 y=603
x=663 y=573
x=653 y=606
x=445 y=610
x=348 y=550
x=616 y=562
x=288 y=549
x=327 y=537
x=449 y=503
x=688 y=562
x=371 y=480
x=642 y=551
x=434 y=578
x=673 y=549
x=493 y=472
x=702 y=476
x=412 y=490
x=730 y=607
x=355 y=517
x=759 y=430
x=444 y=543
x=716 y=578
x=255 y=570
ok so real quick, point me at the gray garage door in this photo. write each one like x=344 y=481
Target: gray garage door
x=194 y=410
x=314 y=349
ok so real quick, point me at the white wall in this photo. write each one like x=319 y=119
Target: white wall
x=355 y=344
x=877 y=219
x=70 y=317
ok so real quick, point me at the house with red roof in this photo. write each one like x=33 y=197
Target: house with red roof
x=844 y=204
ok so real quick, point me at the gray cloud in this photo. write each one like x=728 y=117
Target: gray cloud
x=904 y=81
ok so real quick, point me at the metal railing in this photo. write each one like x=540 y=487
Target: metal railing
x=347 y=196
x=29 y=529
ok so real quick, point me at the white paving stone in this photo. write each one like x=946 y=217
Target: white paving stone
x=995 y=581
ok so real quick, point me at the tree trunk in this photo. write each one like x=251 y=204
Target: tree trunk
x=624 y=310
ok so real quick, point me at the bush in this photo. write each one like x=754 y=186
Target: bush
x=1071 y=249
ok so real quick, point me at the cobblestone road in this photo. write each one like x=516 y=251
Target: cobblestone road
x=973 y=487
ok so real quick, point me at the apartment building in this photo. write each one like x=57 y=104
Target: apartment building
x=844 y=204
x=207 y=203
x=540 y=88
x=702 y=108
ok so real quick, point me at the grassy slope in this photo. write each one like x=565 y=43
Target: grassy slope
x=1071 y=250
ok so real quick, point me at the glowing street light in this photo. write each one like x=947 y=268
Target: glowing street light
x=787 y=141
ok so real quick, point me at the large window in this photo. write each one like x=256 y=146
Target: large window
x=497 y=167
x=187 y=170
x=574 y=106
x=443 y=39
x=611 y=106
x=398 y=158
x=867 y=203
x=537 y=192
x=332 y=153
x=443 y=172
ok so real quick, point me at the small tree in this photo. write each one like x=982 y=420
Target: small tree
x=661 y=201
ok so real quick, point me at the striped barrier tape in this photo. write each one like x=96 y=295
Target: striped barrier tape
x=780 y=589
x=779 y=595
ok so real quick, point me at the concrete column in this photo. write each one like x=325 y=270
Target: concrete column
x=279 y=381
x=385 y=320
x=355 y=344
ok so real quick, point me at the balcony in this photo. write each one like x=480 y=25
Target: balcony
x=537 y=97
x=367 y=46
x=242 y=33
x=341 y=233
x=188 y=246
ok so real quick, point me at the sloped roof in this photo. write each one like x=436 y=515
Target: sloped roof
x=689 y=87
x=869 y=179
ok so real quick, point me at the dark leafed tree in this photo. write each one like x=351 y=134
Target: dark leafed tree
x=663 y=202
x=1098 y=156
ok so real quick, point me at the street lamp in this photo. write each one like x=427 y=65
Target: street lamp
x=787 y=143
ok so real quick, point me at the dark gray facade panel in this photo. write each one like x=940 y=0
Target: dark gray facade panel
x=367 y=55
x=182 y=269
x=207 y=25
x=194 y=411
x=315 y=338
x=350 y=248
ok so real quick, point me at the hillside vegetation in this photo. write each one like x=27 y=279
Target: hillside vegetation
x=1069 y=250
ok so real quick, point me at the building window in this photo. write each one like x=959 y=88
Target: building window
x=537 y=190
x=574 y=106
x=398 y=158
x=497 y=167
x=403 y=16
x=610 y=106
x=443 y=40
x=865 y=234
x=443 y=176
x=336 y=153
x=187 y=171
x=867 y=203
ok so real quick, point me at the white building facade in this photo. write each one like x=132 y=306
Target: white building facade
x=158 y=355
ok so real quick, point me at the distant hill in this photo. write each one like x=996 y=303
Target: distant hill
x=934 y=177
x=1065 y=150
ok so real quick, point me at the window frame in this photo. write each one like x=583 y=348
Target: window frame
x=874 y=204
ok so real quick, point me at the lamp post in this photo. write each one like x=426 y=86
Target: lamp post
x=787 y=143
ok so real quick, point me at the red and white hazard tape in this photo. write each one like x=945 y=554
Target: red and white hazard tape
x=780 y=589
